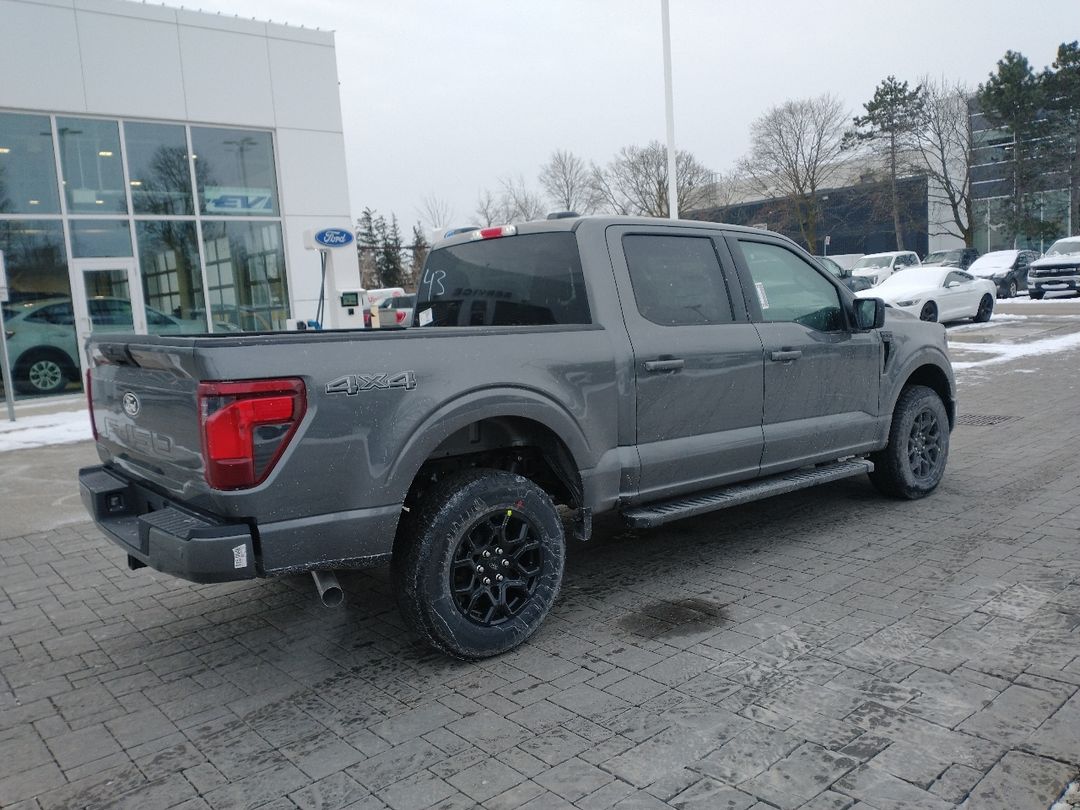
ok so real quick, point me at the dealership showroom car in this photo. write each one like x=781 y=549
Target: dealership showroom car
x=937 y=294
x=42 y=344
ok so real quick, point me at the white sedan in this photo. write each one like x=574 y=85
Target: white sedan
x=937 y=294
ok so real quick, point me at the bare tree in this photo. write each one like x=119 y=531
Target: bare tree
x=635 y=182
x=519 y=203
x=565 y=178
x=795 y=151
x=488 y=210
x=435 y=212
x=945 y=153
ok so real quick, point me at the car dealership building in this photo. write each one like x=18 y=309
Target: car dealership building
x=158 y=170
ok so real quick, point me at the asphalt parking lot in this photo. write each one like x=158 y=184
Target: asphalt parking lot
x=829 y=649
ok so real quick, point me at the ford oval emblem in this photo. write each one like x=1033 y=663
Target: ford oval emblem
x=334 y=237
x=131 y=404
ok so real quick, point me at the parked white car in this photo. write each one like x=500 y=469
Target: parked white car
x=937 y=294
x=876 y=267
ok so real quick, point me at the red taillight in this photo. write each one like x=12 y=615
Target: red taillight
x=90 y=405
x=399 y=315
x=246 y=426
x=495 y=233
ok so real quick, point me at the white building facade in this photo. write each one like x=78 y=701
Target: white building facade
x=158 y=170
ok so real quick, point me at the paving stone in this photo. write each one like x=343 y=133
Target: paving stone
x=956 y=783
x=1021 y=780
x=750 y=752
x=1013 y=715
x=650 y=760
x=800 y=776
x=708 y=794
x=486 y=779
x=887 y=792
x=573 y=779
x=415 y=792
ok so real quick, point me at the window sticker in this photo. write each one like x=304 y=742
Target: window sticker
x=426 y=317
x=762 y=298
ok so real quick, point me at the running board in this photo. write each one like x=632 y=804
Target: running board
x=655 y=514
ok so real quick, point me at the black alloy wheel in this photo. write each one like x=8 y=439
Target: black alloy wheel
x=496 y=567
x=985 y=310
x=924 y=450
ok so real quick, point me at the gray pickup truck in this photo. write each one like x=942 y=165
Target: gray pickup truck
x=659 y=369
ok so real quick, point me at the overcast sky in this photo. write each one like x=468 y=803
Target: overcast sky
x=442 y=99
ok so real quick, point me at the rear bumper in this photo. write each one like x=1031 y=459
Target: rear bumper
x=164 y=536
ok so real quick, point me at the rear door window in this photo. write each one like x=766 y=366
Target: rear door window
x=524 y=280
x=677 y=280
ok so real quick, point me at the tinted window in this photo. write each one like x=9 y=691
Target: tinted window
x=90 y=159
x=58 y=314
x=160 y=175
x=677 y=280
x=529 y=280
x=234 y=169
x=790 y=289
x=92 y=238
x=27 y=166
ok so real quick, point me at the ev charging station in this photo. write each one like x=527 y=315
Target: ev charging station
x=340 y=279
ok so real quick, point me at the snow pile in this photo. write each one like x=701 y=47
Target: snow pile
x=1004 y=352
x=49 y=428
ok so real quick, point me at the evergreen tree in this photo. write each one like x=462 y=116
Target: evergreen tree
x=419 y=250
x=1063 y=103
x=367 y=247
x=890 y=126
x=1014 y=99
x=391 y=270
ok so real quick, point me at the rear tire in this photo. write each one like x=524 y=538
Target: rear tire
x=913 y=462
x=1013 y=289
x=929 y=312
x=478 y=563
x=985 y=310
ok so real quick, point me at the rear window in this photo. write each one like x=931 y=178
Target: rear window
x=527 y=280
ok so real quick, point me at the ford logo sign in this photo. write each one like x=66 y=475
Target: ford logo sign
x=131 y=404
x=334 y=237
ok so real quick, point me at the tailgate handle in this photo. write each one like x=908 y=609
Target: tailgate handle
x=668 y=364
x=786 y=354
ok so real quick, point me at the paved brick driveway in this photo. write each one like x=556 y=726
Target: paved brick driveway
x=823 y=650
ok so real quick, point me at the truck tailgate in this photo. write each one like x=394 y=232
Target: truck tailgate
x=145 y=411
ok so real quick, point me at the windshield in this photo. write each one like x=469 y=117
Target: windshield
x=1064 y=247
x=943 y=257
x=914 y=278
x=872 y=263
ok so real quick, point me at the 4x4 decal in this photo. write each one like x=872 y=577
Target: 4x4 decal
x=352 y=384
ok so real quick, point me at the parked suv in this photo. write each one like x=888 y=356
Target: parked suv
x=876 y=267
x=1058 y=270
x=1008 y=269
x=958 y=257
x=853 y=283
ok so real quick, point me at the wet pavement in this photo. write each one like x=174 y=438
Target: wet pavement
x=827 y=649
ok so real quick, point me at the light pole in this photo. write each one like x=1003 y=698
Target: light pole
x=669 y=110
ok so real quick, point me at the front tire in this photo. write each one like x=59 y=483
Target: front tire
x=1036 y=294
x=478 y=563
x=41 y=372
x=1013 y=289
x=913 y=462
x=985 y=310
x=929 y=312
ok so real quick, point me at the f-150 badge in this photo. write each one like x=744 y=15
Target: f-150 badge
x=352 y=384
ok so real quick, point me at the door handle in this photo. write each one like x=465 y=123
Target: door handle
x=663 y=365
x=786 y=354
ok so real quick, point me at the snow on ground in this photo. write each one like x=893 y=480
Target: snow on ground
x=48 y=428
x=1004 y=352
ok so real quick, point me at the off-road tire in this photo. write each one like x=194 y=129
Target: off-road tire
x=985 y=310
x=432 y=538
x=893 y=473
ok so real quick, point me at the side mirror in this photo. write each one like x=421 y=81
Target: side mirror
x=952 y=284
x=869 y=313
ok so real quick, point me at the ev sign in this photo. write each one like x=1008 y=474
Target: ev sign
x=328 y=239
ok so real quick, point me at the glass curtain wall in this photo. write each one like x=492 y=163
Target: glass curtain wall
x=197 y=207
